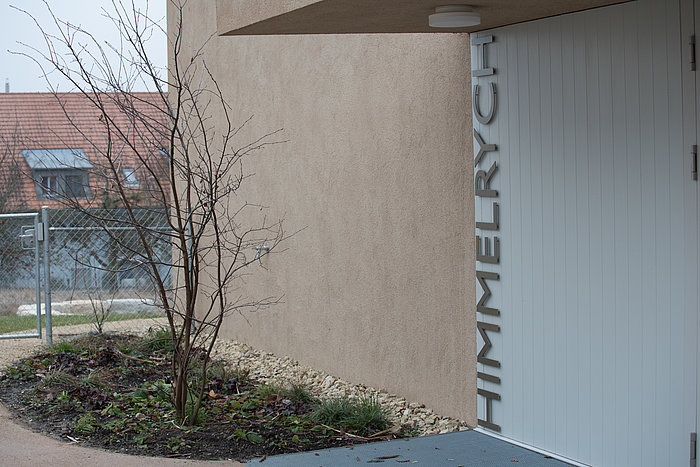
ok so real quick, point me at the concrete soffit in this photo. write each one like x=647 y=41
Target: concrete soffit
x=275 y=17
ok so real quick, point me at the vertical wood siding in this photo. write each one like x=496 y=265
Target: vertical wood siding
x=589 y=128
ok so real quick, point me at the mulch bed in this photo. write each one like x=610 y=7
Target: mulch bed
x=112 y=392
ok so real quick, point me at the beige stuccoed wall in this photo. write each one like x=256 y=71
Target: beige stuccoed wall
x=379 y=281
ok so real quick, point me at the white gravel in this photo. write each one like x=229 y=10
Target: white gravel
x=267 y=367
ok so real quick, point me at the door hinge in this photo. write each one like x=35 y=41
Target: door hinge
x=693 y=449
x=694 y=161
x=692 y=52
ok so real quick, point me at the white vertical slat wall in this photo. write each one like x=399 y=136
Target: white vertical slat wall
x=695 y=303
x=691 y=87
x=593 y=203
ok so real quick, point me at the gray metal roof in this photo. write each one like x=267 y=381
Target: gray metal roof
x=56 y=159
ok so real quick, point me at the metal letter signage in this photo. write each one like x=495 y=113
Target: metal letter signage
x=484 y=119
x=477 y=42
x=484 y=176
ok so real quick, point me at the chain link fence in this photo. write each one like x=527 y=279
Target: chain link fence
x=99 y=275
x=98 y=266
x=18 y=274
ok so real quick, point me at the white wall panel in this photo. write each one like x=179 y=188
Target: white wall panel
x=593 y=213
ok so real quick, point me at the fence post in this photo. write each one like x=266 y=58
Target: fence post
x=47 y=275
x=37 y=274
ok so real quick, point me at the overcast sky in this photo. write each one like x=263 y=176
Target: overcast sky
x=15 y=26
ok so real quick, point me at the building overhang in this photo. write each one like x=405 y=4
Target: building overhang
x=275 y=17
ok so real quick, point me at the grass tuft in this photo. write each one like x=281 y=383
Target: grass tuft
x=298 y=393
x=97 y=379
x=294 y=393
x=267 y=390
x=158 y=339
x=63 y=347
x=85 y=424
x=363 y=416
x=58 y=379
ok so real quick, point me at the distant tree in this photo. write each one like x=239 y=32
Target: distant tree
x=14 y=262
x=11 y=180
x=214 y=235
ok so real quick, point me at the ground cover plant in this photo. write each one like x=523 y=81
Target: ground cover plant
x=113 y=392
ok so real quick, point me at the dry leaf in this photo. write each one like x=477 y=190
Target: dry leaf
x=214 y=395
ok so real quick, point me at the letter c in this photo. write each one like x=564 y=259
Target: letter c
x=484 y=119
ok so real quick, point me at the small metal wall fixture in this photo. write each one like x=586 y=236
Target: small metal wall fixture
x=259 y=248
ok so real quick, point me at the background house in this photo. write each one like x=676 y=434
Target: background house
x=52 y=148
x=52 y=153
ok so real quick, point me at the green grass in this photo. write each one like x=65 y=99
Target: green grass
x=96 y=379
x=158 y=339
x=363 y=416
x=57 y=378
x=63 y=346
x=10 y=324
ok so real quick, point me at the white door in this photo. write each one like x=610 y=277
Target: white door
x=689 y=12
x=691 y=20
x=591 y=314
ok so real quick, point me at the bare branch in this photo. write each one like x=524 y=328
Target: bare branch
x=185 y=142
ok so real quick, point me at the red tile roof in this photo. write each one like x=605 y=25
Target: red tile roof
x=70 y=121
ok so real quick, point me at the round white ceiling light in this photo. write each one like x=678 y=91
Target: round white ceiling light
x=454 y=16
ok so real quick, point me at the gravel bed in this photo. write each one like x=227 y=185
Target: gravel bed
x=284 y=370
x=267 y=367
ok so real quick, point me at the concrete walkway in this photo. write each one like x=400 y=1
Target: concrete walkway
x=465 y=448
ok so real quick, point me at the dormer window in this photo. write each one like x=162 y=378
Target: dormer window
x=59 y=173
